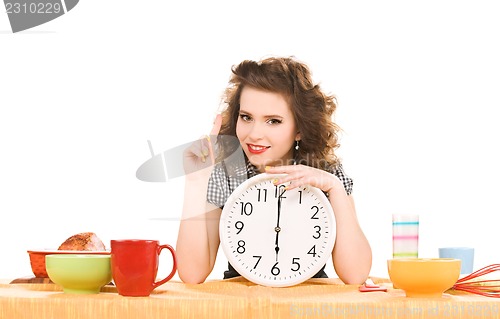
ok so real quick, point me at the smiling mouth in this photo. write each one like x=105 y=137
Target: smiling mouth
x=257 y=149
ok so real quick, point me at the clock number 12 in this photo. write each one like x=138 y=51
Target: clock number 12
x=279 y=191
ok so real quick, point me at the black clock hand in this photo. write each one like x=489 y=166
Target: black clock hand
x=277 y=228
x=276 y=248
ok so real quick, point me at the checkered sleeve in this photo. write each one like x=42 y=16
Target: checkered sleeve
x=346 y=180
x=218 y=191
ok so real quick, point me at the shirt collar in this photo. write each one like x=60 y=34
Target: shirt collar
x=251 y=170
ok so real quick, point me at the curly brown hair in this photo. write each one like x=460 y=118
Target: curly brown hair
x=311 y=108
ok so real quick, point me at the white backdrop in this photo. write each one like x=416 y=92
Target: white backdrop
x=417 y=84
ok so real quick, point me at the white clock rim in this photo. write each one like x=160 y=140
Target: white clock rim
x=243 y=272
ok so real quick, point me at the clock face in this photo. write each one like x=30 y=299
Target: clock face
x=277 y=237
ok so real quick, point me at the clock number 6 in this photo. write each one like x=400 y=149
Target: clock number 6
x=275 y=270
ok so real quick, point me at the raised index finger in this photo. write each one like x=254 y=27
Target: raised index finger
x=217 y=125
x=213 y=135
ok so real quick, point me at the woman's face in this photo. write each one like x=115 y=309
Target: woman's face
x=266 y=128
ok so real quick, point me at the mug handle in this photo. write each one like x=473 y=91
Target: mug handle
x=174 y=267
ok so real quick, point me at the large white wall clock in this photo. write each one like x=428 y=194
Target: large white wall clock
x=277 y=237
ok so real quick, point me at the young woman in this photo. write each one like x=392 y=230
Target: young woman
x=283 y=123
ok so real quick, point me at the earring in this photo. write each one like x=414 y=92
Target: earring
x=296 y=145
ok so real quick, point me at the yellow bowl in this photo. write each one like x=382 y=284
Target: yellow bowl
x=424 y=277
x=78 y=273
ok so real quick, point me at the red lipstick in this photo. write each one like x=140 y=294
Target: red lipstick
x=257 y=149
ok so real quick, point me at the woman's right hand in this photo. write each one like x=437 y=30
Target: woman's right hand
x=200 y=154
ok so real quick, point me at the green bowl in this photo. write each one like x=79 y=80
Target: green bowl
x=79 y=274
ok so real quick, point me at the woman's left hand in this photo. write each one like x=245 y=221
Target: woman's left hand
x=300 y=175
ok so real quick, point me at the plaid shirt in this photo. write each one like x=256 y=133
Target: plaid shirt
x=222 y=184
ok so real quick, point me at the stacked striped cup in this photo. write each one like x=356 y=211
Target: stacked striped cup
x=404 y=235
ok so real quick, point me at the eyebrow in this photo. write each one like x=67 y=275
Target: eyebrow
x=266 y=116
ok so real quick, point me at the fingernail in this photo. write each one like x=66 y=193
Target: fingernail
x=275 y=181
x=267 y=168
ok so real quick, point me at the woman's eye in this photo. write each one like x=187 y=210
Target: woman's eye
x=274 y=121
x=245 y=117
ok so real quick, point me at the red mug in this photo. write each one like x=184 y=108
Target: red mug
x=134 y=266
